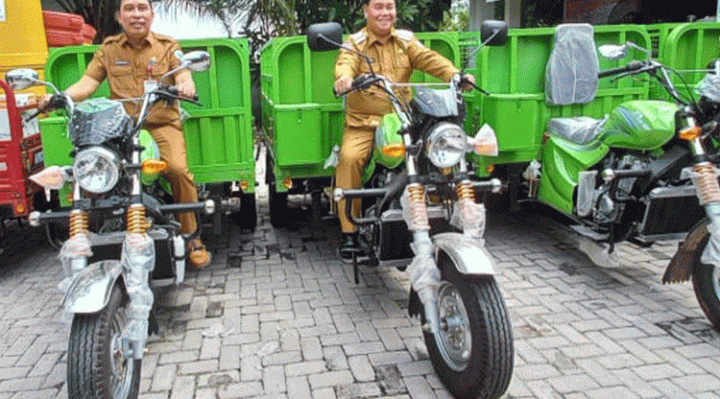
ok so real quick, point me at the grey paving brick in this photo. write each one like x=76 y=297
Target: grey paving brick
x=183 y=388
x=330 y=379
x=163 y=377
x=274 y=379
x=298 y=388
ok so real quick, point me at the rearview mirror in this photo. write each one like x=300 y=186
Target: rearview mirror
x=493 y=33
x=613 y=51
x=20 y=79
x=196 y=61
x=324 y=36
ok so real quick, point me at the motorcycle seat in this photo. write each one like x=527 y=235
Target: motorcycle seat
x=579 y=129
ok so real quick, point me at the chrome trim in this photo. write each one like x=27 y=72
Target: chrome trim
x=90 y=290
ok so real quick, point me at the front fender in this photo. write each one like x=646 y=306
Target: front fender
x=688 y=254
x=91 y=288
x=468 y=255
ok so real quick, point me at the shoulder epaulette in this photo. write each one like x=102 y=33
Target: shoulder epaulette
x=405 y=34
x=359 y=37
x=164 y=37
x=113 y=38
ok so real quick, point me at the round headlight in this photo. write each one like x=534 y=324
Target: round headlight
x=447 y=144
x=96 y=170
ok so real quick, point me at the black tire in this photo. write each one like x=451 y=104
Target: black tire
x=483 y=329
x=706 y=283
x=247 y=217
x=278 y=207
x=94 y=339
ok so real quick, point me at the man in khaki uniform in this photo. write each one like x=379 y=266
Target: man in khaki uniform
x=127 y=60
x=396 y=53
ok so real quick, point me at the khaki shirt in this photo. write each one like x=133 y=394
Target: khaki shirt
x=126 y=69
x=395 y=57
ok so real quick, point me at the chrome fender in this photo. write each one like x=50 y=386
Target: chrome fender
x=468 y=255
x=688 y=254
x=91 y=287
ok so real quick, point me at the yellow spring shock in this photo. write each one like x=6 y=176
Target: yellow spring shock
x=79 y=221
x=136 y=221
x=465 y=190
x=418 y=208
x=707 y=183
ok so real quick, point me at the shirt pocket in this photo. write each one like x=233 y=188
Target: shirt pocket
x=121 y=80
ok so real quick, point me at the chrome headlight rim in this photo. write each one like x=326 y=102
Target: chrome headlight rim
x=109 y=162
x=446 y=145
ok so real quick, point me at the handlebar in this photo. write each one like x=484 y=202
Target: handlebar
x=630 y=67
x=362 y=82
x=172 y=93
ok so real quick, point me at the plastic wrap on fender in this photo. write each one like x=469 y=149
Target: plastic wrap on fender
x=423 y=272
x=75 y=247
x=469 y=217
x=138 y=260
x=709 y=87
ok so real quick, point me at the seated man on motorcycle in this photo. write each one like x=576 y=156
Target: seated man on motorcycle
x=129 y=59
x=395 y=53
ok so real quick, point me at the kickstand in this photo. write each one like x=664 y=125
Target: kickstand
x=355 y=268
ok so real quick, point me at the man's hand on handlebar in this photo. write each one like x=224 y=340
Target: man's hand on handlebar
x=342 y=84
x=468 y=81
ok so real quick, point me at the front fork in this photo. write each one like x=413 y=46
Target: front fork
x=423 y=271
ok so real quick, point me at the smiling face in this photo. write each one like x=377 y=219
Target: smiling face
x=135 y=17
x=380 y=16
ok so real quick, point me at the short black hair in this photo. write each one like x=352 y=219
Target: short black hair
x=119 y=2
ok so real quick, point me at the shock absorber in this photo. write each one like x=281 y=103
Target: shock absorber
x=79 y=221
x=465 y=190
x=418 y=209
x=136 y=221
x=707 y=183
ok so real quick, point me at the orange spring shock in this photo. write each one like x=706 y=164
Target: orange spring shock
x=707 y=183
x=465 y=190
x=136 y=221
x=79 y=221
x=418 y=208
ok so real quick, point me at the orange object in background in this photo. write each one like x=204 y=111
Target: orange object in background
x=65 y=29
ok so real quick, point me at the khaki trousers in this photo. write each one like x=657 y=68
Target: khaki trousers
x=357 y=146
x=171 y=143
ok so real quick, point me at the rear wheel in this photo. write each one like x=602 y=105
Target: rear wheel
x=97 y=367
x=473 y=352
x=278 y=206
x=246 y=218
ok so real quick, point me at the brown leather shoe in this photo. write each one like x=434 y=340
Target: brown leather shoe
x=198 y=255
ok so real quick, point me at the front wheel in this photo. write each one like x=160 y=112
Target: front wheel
x=473 y=352
x=97 y=366
x=706 y=282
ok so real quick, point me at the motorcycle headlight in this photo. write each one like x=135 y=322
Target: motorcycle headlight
x=96 y=169
x=447 y=144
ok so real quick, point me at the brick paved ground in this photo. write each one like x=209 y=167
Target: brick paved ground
x=277 y=316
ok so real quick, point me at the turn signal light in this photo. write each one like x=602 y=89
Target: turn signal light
x=153 y=166
x=244 y=185
x=287 y=183
x=20 y=209
x=690 y=133
x=394 y=150
x=490 y=168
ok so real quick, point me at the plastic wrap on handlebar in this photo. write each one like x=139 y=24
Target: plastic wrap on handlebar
x=631 y=66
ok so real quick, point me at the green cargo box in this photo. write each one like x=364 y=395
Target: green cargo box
x=514 y=74
x=302 y=119
x=690 y=47
x=218 y=134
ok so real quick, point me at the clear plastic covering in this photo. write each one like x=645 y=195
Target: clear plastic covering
x=469 y=217
x=571 y=74
x=423 y=272
x=333 y=159
x=77 y=247
x=711 y=254
x=709 y=87
x=98 y=120
x=138 y=260
x=437 y=103
x=579 y=129
x=415 y=215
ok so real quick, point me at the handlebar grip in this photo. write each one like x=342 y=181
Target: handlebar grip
x=631 y=66
x=174 y=91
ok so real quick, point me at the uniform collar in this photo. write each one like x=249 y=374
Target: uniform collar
x=149 y=40
x=372 y=38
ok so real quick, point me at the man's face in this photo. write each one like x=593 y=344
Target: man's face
x=380 y=16
x=135 y=17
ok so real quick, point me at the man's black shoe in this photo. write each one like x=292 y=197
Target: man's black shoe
x=349 y=245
